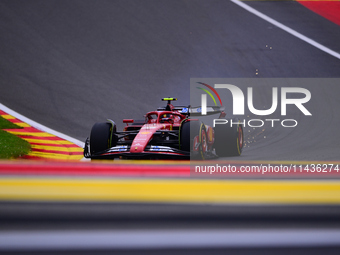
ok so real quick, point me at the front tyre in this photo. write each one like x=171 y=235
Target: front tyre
x=101 y=137
x=193 y=138
x=184 y=136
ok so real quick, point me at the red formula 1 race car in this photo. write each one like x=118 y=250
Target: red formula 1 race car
x=168 y=132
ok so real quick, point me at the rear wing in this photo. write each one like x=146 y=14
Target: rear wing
x=196 y=111
x=188 y=110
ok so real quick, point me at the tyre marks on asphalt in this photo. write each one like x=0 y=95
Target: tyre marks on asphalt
x=44 y=145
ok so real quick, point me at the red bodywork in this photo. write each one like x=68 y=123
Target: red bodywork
x=155 y=121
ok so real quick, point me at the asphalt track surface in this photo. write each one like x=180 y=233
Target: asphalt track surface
x=69 y=64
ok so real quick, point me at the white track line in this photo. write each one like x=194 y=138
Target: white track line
x=39 y=126
x=142 y=239
x=287 y=29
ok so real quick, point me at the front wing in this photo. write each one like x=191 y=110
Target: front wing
x=150 y=152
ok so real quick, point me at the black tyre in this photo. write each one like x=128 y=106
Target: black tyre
x=189 y=130
x=184 y=136
x=202 y=138
x=228 y=140
x=100 y=137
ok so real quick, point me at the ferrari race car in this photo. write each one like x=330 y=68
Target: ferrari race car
x=168 y=132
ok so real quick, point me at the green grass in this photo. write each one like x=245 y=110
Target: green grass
x=5 y=124
x=11 y=146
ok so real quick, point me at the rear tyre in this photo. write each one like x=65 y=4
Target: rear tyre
x=100 y=137
x=228 y=140
x=202 y=138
